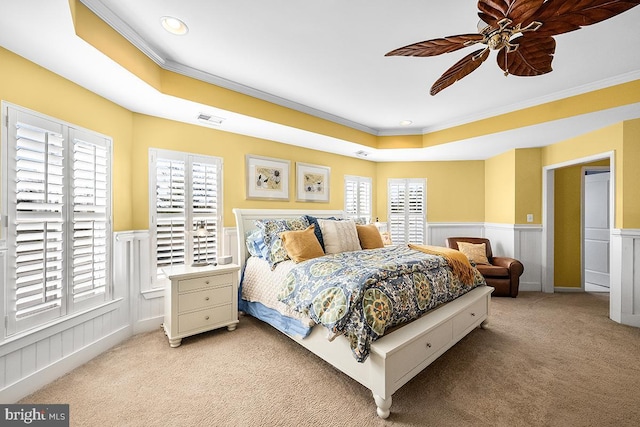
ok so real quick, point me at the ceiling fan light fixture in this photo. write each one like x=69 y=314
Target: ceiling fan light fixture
x=482 y=26
x=174 y=25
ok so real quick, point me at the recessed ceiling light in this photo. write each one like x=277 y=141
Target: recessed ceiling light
x=174 y=25
x=405 y=123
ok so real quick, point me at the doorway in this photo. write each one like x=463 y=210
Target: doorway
x=548 y=214
x=595 y=230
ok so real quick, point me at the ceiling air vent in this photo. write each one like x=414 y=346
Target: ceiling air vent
x=210 y=120
x=362 y=153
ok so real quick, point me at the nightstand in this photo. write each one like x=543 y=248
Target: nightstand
x=200 y=299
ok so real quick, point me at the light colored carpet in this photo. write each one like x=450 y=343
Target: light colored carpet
x=546 y=360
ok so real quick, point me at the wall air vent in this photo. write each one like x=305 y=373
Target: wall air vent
x=210 y=120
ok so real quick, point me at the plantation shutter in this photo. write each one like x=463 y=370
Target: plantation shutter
x=187 y=194
x=205 y=208
x=91 y=201
x=407 y=210
x=357 y=196
x=171 y=213
x=37 y=230
x=58 y=211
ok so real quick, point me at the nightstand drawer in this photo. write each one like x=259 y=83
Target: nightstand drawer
x=469 y=317
x=205 y=298
x=205 y=282
x=204 y=319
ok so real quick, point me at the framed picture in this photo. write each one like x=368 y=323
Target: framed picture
x=267 y=178
x=312 y=183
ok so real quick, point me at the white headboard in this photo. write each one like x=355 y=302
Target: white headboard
x=245 y=221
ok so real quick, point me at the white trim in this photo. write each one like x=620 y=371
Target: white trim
x=626 y=232
x=548 y=218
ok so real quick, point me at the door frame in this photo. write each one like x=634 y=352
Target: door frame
x=584 y=171
x=548 y=216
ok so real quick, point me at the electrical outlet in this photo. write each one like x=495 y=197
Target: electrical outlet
x=529 y=217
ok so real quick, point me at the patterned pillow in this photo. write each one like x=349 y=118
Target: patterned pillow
x=271 y=230
x=475 y=252
x=255 y=244
x=339 y=236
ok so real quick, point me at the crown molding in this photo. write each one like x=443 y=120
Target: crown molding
x=159 y=57
x=578 y=90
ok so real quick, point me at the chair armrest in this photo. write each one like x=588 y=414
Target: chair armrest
x=515 y=267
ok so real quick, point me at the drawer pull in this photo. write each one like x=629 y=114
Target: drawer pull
x=473 y=314
x=206 y=318
x=206 y=282
x=206 y=299
x=428 y=345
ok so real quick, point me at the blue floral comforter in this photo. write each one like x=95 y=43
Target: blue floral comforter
x=364 y=293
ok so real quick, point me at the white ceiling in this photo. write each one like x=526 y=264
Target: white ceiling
x=327 y=58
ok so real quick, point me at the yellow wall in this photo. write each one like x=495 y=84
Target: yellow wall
x=567 y=225
x=30 y=86
x=455 y=190
x=153 y=132
x=500 y=188
x=528 y=181
x=630 y=209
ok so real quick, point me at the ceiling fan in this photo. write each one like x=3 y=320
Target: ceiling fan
x=520 y=30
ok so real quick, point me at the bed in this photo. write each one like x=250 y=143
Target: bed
x=390 y=360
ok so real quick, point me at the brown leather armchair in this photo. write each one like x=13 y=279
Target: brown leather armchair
x=503 y=273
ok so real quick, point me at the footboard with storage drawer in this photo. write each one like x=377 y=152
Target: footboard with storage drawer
x=398 y=356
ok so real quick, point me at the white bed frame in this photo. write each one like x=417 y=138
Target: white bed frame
x=402 y=354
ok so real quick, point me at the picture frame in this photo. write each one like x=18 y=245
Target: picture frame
x=267 y=178
x=312 y=182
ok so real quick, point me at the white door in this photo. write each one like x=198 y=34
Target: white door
x=596 y=231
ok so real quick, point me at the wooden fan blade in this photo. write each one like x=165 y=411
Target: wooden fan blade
x=532 y=58
x=437 y=46
x=460 y=69
x=563 y=16
x=518 y=11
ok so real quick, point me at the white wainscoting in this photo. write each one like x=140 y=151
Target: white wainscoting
x=520 y=241
x=437 y=232
x=624 y=296
x=29 y=361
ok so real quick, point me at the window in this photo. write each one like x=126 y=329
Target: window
x=58 y=183
x=185 y=190
x=357 y=197
x=407 y=210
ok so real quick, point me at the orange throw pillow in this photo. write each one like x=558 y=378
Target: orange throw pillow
x=302 y=245
x=369 y=236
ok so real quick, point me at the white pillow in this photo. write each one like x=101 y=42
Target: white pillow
x=339 y=236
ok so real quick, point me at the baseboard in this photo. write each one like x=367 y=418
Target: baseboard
x=631 y=320
x=31 y=383
x=530 y=287
x=566 y=289
x=148 y=325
